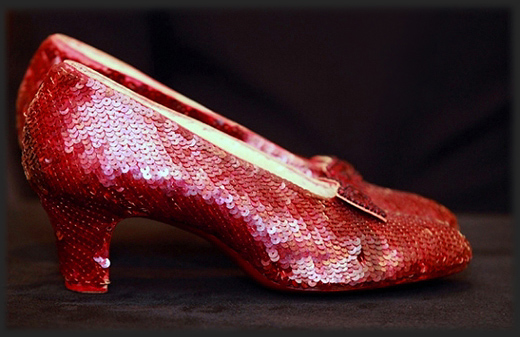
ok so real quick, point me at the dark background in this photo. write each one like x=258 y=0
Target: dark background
x=416 y=99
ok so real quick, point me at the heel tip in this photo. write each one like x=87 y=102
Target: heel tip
x=89 y=289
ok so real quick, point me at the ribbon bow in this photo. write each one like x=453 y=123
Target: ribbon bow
x=350 y=181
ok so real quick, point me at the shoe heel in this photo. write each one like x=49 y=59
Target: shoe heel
x=83 y=237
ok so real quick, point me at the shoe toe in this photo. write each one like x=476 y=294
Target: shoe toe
x=424 y=248
x=367 y=253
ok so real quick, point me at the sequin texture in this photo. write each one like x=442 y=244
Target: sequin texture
x=97 y=153
x=359 y=193
x=58 y=47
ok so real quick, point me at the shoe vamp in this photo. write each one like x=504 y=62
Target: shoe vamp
x=406 y=203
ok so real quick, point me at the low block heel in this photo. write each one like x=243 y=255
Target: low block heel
x=83 y=236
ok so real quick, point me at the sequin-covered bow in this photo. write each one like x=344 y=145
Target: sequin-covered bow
x=351 y=189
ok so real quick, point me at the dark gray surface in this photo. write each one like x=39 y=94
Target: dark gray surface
x=164 y=278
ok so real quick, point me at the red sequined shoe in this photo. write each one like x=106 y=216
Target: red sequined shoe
x=97 y=152
x=59 y=47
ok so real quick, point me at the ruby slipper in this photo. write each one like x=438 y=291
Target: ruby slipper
x=97 y=152
x=59 y=47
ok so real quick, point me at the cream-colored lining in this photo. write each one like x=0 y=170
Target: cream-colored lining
x=116 y=64
x=231 y=145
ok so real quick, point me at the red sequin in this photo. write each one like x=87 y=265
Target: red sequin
x=96 y=154
x=363 y=195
